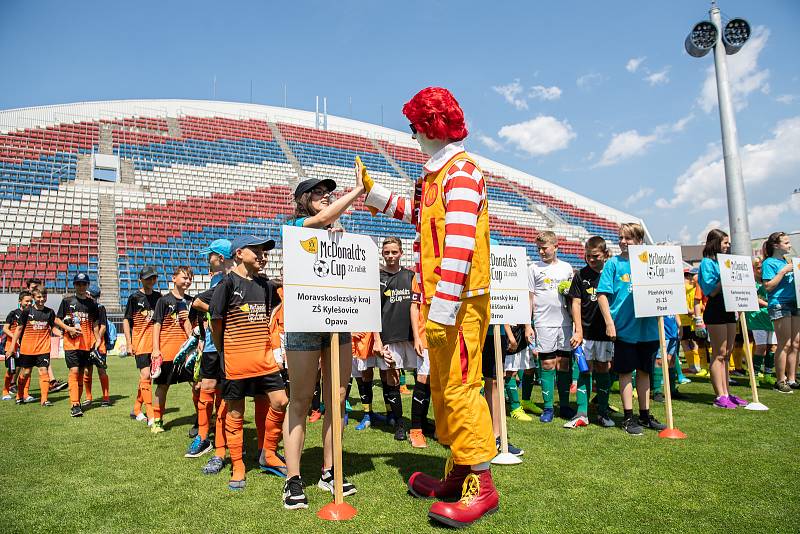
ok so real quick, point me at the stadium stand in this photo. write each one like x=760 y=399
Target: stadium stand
x=193 y=171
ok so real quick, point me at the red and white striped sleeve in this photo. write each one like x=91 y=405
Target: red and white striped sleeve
x=464 y=196
x=385 y=201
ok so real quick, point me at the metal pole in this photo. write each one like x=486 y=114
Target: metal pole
x=316 y=115
x=251 y=91
x=324 y=112
x=734 y=183
x=284 y=95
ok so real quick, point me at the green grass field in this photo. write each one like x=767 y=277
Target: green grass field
x=737 y=472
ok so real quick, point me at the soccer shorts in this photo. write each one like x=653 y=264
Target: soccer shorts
x=142 y=361
x=598 y=351
x=361 y=365
x=629 y=356
x=238 y=389
x=37 y=360
x=170 y=374
x=552 y=338
x=211 y=366
x=487 y=357
x=764 y=337
x=76 y=358
x=423 y=364
x=403 y=356
x=520 y=361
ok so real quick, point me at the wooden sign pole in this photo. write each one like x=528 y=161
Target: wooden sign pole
x=504 y=458
x=669 y=432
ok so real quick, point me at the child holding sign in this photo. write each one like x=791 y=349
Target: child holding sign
x=314 y=208
x=635 y=339
x=721 y=324
x=778 y=277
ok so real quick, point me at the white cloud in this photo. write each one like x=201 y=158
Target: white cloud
x=643 y=192
x=538 y=136
x=625 y=145
x=786 y=99
x=712 y=224
x=490 y=143
x=684 y=236
x=588 y=80
x=680 y=125
x=767 y=218
x=633 y=63
x=658 y=78
x=545 y=93
x=511 y=93
x=743 y=73
x=702 y=185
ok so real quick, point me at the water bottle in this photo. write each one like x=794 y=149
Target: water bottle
x=580 y=357
x=76 y=322
x=12 y=363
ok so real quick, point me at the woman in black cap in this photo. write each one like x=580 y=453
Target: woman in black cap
x=314 y=208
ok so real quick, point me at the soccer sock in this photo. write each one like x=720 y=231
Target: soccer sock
x=104 y=386
x=575 y=374
x=219 y=427
x=673 y=379
x=769 y=362
x=195 y=399
x=272 y=436
x=582 y=395
x=678 y=368
x=512 y=392
x=603 y=381
x=87 y=384
x=402 y=378
x=22 y=384
x=235 y=439
x=27 y=386
x=205 y=407
x=147 y=396
x=365 y=393
x=8 y=379
x=391 y=396
x=563 y=380
x=758 y=363
x=658 y=379
x=44 y=386
x=419 y=404
x=347 y=393
x=549 y=386
x=527 y=387
x=692 y=358
x=261 y=405
x=644 y=414
x=73 y=379
x=738 y=357
x=137 y=404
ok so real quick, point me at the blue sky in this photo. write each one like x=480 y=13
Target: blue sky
x=598 y=97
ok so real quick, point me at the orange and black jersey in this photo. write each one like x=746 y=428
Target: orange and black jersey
x=12 y=320
x=36 y=326
x=245 y=307
x=102 y=319
x=172 y=333
x=73 y=308
x=139 y=314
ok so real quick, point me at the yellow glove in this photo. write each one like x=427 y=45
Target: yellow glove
x=435 y=333
x=366 y=179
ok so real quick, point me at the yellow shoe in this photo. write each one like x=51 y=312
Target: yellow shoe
x=158 y=427
x=404 y=390
x=520 y=415
x=530 y=407
x=703 y=373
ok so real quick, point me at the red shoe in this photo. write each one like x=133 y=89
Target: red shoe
x=315 y=416
x=425 y=486
x=478 y=498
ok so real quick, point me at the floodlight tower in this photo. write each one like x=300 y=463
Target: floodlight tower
x=704 y=36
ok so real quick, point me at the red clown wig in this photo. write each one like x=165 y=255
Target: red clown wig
x=435 y=112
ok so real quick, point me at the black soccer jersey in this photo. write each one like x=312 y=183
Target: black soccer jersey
x=396 y=306
x=584 y=287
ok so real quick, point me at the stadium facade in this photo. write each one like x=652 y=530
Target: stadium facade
x=107 y=187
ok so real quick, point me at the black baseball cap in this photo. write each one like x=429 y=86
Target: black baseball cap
x=307 y=185
x=147 y=272
x=250 y=241
x=80 y=278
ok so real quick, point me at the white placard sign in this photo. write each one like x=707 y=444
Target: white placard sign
x=657 y=280
x=509 y=285
x=331 y=281
x=796 y=272
x=738 y=283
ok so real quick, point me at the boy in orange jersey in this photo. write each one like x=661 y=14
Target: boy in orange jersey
x=9 y=327
x=33 y=336
x=137 y=325
x=102 y=319
x=172 y=325
x=240 y=313
x=78 y=319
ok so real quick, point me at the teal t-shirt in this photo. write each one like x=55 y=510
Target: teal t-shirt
x=615 y=282
x=708 y=275
x=784 y=292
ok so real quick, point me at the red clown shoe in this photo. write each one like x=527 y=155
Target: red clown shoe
x=425 y=486
x=478 y=498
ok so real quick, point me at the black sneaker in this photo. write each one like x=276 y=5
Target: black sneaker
x=293 y=495
x=652 y=423
x=76 y=411
x=20 y=401
x=630 y=426
x=326 y=483
x=782 y=387
x=794 y=385
x=658 y=397
x=47 y=403
x=105 y=404
x=400 y=432
x=194 y=430
x=605 y=421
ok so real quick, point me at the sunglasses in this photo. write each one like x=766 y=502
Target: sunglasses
x=319 y=192
x=413 y=129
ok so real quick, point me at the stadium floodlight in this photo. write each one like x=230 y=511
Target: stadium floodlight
x=704 y=36
x=735 y=34
x=701 y=39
